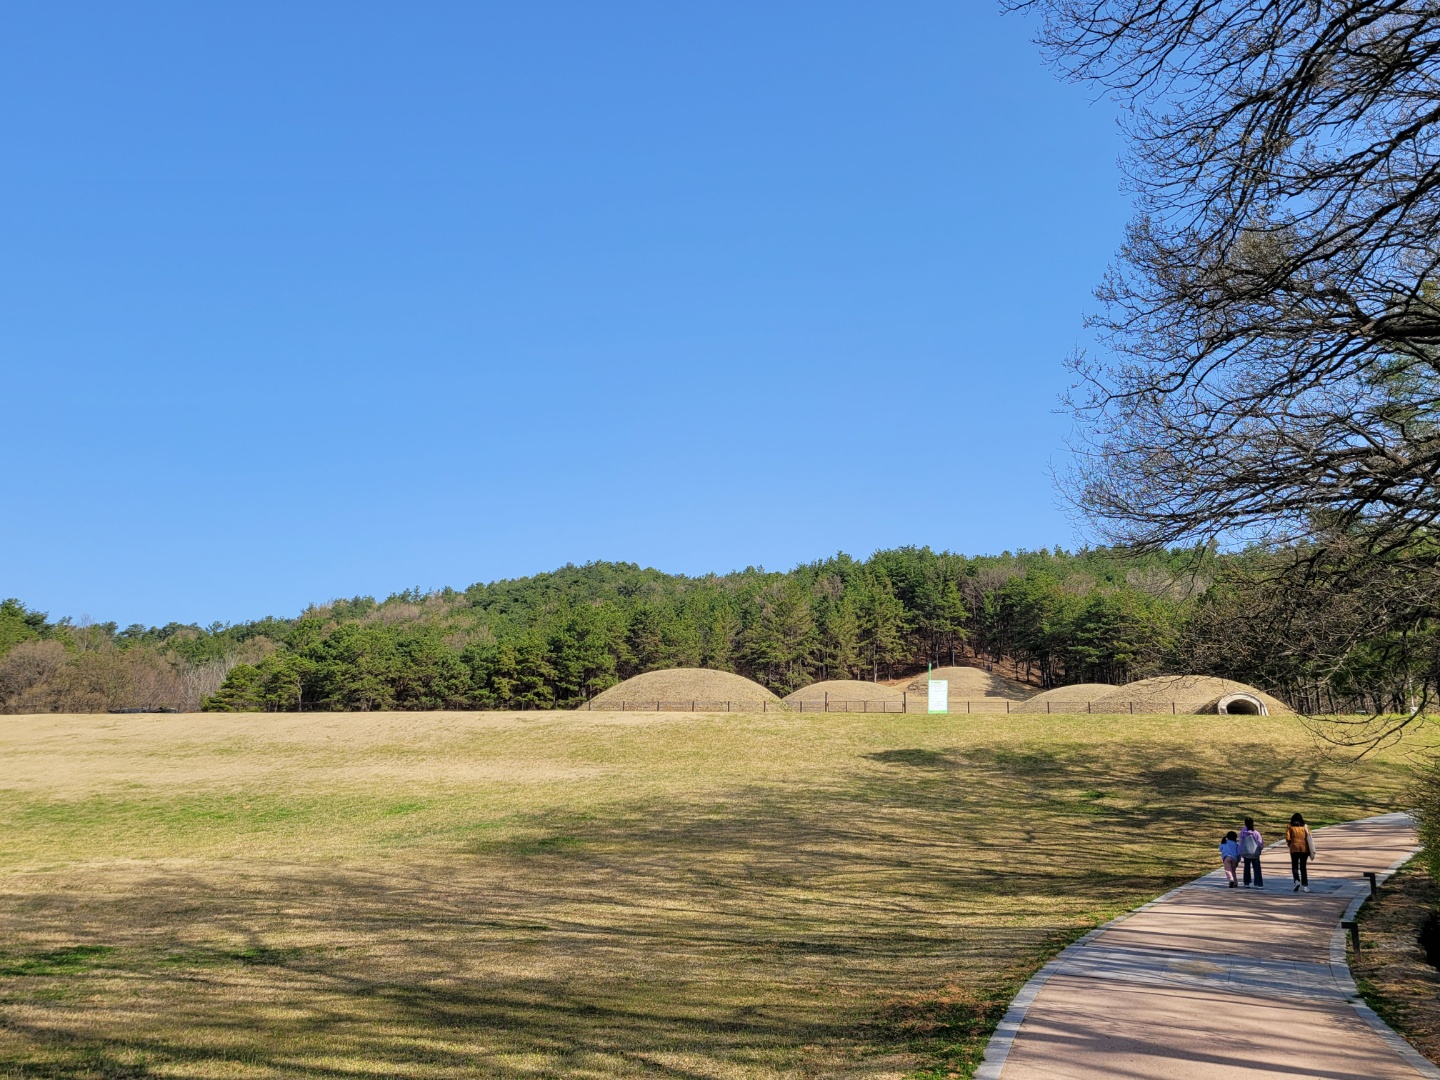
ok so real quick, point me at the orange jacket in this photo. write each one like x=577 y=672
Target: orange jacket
x=1297 y=838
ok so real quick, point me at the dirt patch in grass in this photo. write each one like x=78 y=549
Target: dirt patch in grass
x=1392 y=970
x=578 y=895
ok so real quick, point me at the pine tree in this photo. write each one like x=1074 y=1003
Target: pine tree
x=882 y=623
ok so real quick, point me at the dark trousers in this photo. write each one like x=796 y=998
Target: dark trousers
x=1259 y=877
x=1297 y=866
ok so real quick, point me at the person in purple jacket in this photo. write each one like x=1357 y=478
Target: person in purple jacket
x=1229 y=856
x=1251 y=844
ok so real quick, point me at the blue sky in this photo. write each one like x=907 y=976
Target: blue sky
x=309 y=300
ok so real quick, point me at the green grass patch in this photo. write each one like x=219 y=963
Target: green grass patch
x=56 y=963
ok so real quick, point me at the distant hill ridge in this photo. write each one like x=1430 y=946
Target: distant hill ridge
x=558 y=639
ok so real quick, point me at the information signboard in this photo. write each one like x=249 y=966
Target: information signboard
x=939 y=695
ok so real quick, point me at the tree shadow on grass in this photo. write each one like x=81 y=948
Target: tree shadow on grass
x=831 y=928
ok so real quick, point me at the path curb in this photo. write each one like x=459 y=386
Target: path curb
x=998 y=1048
x=1340 y=970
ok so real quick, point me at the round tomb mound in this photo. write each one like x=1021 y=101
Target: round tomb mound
x=692 y=689
x=969 y=690
x=1191 y=694
x=847 y=695
x=1067 y=699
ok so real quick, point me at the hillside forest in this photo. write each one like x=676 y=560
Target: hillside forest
x=554 y=640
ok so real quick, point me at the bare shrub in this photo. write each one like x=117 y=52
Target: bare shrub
x=27 y=665
x=97 y=680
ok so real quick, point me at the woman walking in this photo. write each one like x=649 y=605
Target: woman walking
x=1251 y=844
x=1302 y=849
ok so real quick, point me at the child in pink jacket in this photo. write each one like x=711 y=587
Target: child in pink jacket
x=1230 y=856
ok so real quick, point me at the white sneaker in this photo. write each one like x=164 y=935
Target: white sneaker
x=1304 y=888
x=1297 y=887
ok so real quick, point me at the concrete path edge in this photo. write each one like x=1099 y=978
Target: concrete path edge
x=998 y=1048
x=1340 y=971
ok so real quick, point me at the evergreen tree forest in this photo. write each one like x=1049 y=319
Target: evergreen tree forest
x=555 y=640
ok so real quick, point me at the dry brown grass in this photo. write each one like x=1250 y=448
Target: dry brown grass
x=1073 y=699
x=587 y=894
x=679 y=686
x=1183 y=693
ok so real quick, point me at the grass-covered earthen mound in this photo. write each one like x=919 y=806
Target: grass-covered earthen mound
x=1063 y=699
x=1181 y=694
x=847 y=695
x=968 y=684
x=684 y=688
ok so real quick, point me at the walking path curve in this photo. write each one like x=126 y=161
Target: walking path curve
x=1212 y=982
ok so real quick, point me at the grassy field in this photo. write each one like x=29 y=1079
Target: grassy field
x=588 y=895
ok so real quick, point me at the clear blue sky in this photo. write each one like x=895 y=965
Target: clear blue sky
x=308 y=300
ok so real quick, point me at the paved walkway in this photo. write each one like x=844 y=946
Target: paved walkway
x=1214 y=982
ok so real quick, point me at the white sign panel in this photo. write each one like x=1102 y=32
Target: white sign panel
x=939 y=695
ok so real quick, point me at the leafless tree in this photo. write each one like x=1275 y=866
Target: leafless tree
x=201 y=679
x=1271 y=327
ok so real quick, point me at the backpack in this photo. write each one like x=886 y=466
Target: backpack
x=1249 y=846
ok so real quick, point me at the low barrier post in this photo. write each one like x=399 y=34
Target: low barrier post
x=1354 y=928
x=1374 y=886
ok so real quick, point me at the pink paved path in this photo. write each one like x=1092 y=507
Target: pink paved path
x=1215 y=982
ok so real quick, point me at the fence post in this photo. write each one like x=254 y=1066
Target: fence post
x=1047 y=708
